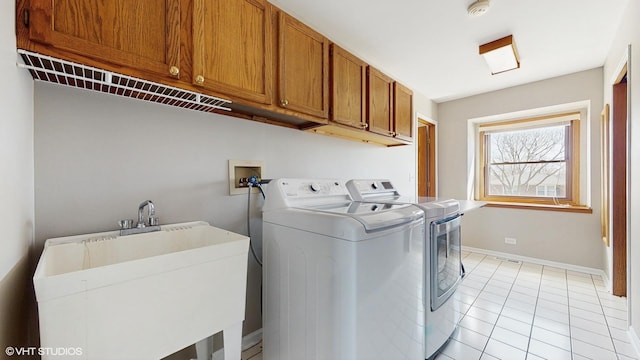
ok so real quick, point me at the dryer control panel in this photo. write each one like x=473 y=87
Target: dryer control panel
x=361 y=190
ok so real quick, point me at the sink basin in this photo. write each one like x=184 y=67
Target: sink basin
x=142 y=296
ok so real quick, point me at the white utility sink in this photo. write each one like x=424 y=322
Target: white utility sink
x=142 y=296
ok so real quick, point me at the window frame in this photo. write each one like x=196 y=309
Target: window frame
x=572 y=156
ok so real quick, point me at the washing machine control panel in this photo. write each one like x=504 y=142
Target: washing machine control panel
x=288 y=192
x=313 y=189
x=303 y=188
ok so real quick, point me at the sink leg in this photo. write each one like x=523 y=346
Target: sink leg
x=204 y=349
x=232 y=337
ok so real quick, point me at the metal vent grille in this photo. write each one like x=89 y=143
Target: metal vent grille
x=507 y=260
x=49 y=69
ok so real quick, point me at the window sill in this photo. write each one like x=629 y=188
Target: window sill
x=544 y=207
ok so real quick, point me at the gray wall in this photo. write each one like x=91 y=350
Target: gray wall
x=555 y=236
x=98 y=156
x=16 y=187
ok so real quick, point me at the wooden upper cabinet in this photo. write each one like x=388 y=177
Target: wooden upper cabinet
x=380 y=102
x=348 y=88
x=232 y=48
x=303 y=65
x=402 y=112
x=141 y=34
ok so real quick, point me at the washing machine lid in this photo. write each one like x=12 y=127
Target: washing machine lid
x=372 y=216
x=325 y=207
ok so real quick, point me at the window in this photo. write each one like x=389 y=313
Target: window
x=547 y=190
x=530 y=161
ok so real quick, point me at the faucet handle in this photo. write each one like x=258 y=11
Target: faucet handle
x=125 y=224
x=153 y=221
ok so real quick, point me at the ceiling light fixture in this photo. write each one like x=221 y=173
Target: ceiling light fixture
x=478 y=8
x=501 y=55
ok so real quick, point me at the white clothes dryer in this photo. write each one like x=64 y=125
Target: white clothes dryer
x=442 y=259
x=342 y=279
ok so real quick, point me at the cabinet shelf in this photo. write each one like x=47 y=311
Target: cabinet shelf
x=50 y=69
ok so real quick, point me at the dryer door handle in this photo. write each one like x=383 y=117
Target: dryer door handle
x=446 y=250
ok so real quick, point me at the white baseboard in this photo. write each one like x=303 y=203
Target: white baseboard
x=247 y=342
x=607 y=282
x=635 y=340
x=560 y=265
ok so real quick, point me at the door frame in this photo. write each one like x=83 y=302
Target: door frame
x=432 y=151
x=619 y=187
x=621 y=70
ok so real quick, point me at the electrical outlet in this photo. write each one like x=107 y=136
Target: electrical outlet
x=239 y=173
x=510 y=241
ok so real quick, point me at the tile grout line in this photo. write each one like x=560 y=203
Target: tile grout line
x=566 y=279
x=476 y=298
x=615 y=350
x=569 y=326
x=478 y=263
x=589 y=330
x=535 y=309
x=501 y=308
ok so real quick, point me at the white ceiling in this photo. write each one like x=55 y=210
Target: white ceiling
x=432 y=45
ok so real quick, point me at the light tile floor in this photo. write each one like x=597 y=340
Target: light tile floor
x=513 y=310
x=517 y=311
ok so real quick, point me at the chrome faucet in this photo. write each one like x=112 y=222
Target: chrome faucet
x=152 y=211
x=153 y=224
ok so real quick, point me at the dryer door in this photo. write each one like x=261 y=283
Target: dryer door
x=445 y=259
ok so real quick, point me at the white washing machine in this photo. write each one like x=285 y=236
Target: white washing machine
x=342 y=279
x=443 y=269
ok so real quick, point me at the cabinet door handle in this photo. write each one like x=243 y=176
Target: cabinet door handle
x=284 y=102
x=199 y=79
x=364 y=125
x=174 y=70
x=391 y=133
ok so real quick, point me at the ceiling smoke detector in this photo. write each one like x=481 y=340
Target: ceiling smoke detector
x=478 y=8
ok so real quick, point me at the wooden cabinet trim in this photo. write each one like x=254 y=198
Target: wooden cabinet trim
x=337 y=89
x=285 y=21
x=360 y=135
x=402 y=117
x=41 y=29
x=385 y=103
x=173 y=35
x=202 y=44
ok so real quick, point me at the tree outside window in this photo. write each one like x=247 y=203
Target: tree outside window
x=529 y=161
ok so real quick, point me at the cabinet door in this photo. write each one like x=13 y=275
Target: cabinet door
x=380 y=102
x=232 y=48
x=141 y=34
x=402 y=112
x=303 y=66
x=348 y=88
